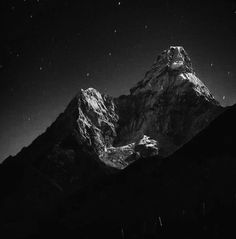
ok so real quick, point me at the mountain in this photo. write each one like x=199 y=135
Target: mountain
x=98 y=137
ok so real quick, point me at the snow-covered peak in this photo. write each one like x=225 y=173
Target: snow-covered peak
x=166 y=71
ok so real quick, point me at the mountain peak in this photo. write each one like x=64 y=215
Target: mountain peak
x=177 y=59
x=172 y=70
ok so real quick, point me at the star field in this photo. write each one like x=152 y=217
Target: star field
x=51 y=49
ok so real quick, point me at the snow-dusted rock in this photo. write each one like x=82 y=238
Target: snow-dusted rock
x=121 y=157
x=146 y=147
x=97 y=119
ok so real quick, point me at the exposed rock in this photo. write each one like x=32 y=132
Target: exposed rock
x=121 y=157
x=97 y=120
x=146 y=147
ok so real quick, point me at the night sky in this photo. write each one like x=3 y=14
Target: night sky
x=50 y=49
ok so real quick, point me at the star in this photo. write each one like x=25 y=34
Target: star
x=109 y=53
x=40 y=68
x=223 y=97
x=212 y=64
x=119 y=3
x=31 y=16
x=115 y=31
x=87 y=74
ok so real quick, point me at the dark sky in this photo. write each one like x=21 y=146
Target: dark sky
x=51 y=48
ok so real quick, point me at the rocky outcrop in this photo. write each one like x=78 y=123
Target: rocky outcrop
x=121 y=157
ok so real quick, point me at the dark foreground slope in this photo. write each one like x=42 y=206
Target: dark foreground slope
x=191 y=194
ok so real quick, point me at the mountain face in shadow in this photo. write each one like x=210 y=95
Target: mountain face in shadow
x=128 y=162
